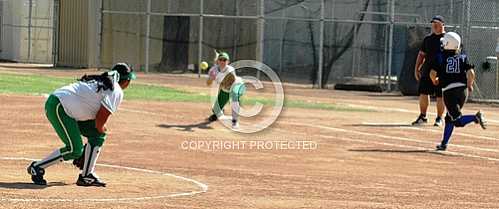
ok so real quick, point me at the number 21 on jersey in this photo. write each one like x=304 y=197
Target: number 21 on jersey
x=452 y=65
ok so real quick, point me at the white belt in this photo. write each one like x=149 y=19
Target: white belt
x=453 y=85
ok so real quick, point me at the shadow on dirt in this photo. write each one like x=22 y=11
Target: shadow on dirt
x=24 y=185
x=188 y=127
x=383 y=125
x=429 y=151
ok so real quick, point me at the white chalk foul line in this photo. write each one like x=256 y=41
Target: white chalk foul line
x=369 y=134
x=203 y=187
x=429 y=130
x=388 y=109
x=458 y=134
x=395 y=138
x=412 y=147
x=139 y=111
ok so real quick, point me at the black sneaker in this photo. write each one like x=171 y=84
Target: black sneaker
x=213 y=118
x=438 y=122
x=480 y=119
x=441 y=147
x=420 y=120
x=36 y=174
x=89 y=180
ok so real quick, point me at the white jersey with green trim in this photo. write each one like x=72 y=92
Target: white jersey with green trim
x=81 y=100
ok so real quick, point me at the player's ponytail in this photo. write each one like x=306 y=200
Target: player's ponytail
x=103 y=81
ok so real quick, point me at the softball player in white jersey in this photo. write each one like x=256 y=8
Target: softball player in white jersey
x=82 y=108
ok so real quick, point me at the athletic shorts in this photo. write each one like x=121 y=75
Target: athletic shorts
x=427 y=87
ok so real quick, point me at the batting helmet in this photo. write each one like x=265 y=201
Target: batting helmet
x=451 y=41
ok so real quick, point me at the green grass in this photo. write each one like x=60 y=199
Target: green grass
x=161 y=93
x=39 y=84
x=30 y=84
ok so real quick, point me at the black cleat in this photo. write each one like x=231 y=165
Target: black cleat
x=36 y=174
x=213 y=118
x=438 y=122
x=480 y=119
x=441 y=147
x=90 y=180
x=420 y=120
x=235 y=125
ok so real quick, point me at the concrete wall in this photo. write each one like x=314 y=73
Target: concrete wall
x=20 y=44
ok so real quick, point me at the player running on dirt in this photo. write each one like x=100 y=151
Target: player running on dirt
x=231 y=87
x=82 y=108
x=452 y=72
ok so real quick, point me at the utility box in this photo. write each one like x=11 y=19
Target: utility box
x=487 y=79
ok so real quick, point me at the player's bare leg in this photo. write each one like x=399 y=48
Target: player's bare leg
x=440 y=111
x=424 y=102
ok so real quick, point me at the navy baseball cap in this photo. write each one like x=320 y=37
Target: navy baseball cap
x=438 y=18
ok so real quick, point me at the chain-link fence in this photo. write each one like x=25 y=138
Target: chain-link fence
x=315 y=42
x=482 y=28
x=367 y=42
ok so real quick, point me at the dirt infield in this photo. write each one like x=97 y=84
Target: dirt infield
x=157 y=156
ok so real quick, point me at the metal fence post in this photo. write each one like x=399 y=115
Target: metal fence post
x=354 y=50
x=55 y=33
x=30 y=24
x=100 y=22
x=321 y=46
x=235 y=31
x=260 y=34
x=468 y=20
x=200 y=36
x=390 y=44
x=497 y=68
x=148 y=33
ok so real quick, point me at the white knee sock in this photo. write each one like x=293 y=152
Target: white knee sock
x=52 y=159
x=91 y=156
x=235 y=110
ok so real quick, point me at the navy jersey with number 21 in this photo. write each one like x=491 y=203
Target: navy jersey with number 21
x=451 y=68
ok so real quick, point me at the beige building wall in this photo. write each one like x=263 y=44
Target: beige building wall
x=73 y=33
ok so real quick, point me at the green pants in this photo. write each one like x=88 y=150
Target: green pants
x=87 y=129
x=69 y=130
x=223 y=97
